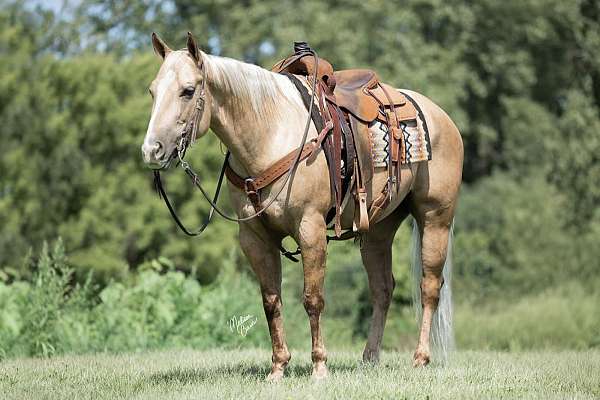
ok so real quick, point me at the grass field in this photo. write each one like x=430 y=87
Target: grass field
x=239 y=374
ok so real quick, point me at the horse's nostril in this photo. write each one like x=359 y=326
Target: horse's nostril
x=159 y=149
x=154 y=152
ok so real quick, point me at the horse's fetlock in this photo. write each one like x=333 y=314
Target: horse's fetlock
x=421 y=358
x=281 y=358
x=319 y=355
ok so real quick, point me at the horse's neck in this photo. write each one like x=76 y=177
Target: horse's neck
x=258 y=116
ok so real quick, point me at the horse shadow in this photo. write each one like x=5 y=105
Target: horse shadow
x=258 y=371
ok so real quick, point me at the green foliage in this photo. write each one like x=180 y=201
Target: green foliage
x=52 y=314
x=577 y=160
x=36 y=311
x=513 y=236
x=521 y=78
x=558 y=318
x=71 y=165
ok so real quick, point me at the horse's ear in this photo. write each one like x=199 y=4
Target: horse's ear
x=193 y=47
x=160 y=47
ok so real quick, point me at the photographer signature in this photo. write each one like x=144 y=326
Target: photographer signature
x=241 y=324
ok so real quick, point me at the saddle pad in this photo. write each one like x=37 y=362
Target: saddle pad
x=415 y=138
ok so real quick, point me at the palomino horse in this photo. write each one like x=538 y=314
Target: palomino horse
x=259 y=116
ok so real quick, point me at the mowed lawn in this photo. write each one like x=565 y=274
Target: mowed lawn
x=214 y=374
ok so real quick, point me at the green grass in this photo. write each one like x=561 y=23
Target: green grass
x=239 y=374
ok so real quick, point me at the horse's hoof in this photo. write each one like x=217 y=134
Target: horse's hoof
x=320 y=372
x=371 y=356
x=275 y=376
x=420 y=359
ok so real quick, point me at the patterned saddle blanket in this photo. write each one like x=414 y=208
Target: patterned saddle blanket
x=417 y=146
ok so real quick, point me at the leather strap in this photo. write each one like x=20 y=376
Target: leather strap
x=379 y=204
x=361 y=220
x=163 y=194
x=252 y=185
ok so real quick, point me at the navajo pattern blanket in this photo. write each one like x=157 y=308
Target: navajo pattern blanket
x=416 y=142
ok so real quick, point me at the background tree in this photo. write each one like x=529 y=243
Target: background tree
x=521 y=78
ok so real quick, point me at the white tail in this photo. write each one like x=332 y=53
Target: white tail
x=442 y=337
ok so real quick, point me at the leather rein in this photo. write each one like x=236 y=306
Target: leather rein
x=188 y=137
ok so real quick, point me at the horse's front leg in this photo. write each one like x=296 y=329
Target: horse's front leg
x=313 y=244
x=263 y=255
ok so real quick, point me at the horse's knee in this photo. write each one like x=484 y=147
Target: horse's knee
x=272 y=305
x=313 y=304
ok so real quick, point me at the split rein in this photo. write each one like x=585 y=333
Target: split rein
x=188 y=137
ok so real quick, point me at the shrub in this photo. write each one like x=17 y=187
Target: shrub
x=557 y=318
x=34 y=312
x=52 y=314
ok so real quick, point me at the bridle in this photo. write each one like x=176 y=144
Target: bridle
x=190 y=129
x=188 y=137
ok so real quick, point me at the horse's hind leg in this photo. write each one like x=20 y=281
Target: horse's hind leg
x=376 y=251
x=434 y=223
x=265 y=260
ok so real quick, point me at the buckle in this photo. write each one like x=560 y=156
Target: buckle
x=249 y=186
x=252 y=193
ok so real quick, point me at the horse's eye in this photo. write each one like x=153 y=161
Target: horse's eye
x=188 y=92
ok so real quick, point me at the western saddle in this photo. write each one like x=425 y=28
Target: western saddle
x=348 y=102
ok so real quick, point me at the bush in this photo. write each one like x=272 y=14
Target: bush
x=162 y=308
x=34 y=312
x=558 y=318
x=511 y=237
x=52 y=314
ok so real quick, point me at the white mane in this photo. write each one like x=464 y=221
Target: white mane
x=249 y=85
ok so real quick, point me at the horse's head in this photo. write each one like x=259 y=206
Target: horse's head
x=181 y=107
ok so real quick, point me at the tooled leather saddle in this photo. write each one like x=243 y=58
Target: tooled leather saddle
x=347 y=101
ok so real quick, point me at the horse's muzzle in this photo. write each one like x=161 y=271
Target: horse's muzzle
x=155 y=155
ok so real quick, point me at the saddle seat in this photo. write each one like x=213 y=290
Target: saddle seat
x=359 y=92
